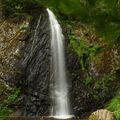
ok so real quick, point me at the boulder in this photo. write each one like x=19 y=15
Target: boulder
x=102 y=114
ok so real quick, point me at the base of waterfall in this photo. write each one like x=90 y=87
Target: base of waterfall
x=42 y=118
x=62 y=117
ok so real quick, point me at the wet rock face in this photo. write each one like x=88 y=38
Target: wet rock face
x=36 y=67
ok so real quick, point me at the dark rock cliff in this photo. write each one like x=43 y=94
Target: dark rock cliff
x=36 y=68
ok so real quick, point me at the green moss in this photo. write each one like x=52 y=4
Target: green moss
x=83 y=49
x=5 y=108
x=19 y=8
x=102 y=87
x=114 y=105
x=96 y=97
x=92 y=117
x=88 y=81
x=85 y=52
x=108 y=80
x=103 y=15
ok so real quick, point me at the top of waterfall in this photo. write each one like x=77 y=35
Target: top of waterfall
x=53 y=18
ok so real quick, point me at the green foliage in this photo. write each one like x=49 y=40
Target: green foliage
x=115 y=69
x=96 y=96
x=114 y=105
x=20 y=7
x=88 y=81
x=83 y=49
x=108 y=78
x=103 y=86
x=103 y=15
x=24 y=27
x=4 y=112
x=5 y=109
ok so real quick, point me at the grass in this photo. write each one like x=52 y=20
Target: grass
x=5 y=108
x=114 y=105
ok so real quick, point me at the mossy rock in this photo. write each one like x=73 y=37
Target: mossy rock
x=92 y=117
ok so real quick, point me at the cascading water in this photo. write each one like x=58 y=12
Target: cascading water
x=59 y=89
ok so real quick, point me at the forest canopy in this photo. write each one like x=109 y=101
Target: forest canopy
x=104 y=15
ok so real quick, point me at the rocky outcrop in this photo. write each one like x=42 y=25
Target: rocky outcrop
x=25 y=61
x=36 y=68
x=91 y=66
x=11 y=34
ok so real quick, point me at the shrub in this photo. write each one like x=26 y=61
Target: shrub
x=5 y=108
x=114 y=105
x=20 y=7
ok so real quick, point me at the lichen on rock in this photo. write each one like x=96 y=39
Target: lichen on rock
x=12 y=41
x=10 y=46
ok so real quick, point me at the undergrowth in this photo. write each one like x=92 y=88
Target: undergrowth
x=114 y=105
x=5 y=105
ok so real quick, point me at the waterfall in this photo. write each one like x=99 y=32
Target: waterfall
x=59 y=88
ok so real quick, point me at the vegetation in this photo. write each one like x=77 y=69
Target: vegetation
x=14 y=8
x=114 y=105
x=5 y=105
x=88 y=52
x=103 y=15
x=83 y=49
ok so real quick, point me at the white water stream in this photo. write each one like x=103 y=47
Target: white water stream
x=59 y=90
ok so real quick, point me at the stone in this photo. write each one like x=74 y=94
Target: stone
x=36 y=67
x=102 y=114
